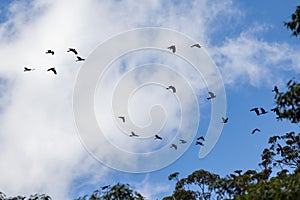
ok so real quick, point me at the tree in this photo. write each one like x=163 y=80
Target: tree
x=31 y=197
x=294 y=24
x=116 y=192
x=281 y=156
x=288 y=103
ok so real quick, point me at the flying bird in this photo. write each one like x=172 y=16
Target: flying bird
x=238 y=172
x=73 y=50
x=199 y=143
x=224 y=120
x=174 y=146
x=105 y=187
x=201 y=138
x=50 y=52
x=263 y=111
x=255 y=130
x=276 y=110
x=172 y=48
x=182 y=141
x=275 y=89
x=53 y=70
x=196 y=45
x=157 y=137
x=212 y=95
x=122 y=118
x=255 y=110
x=28 y=69
x=171 y=87
x=80 y=59
x=133 y=134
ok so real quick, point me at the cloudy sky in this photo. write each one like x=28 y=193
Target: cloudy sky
x=48 y=143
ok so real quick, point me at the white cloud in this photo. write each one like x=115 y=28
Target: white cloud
x=249 y=58
x=39 y=148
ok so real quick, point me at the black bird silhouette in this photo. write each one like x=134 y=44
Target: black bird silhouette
x=199 y=143
x=172 y=88
x=275 y=89
x=105 y=187
x=28 y=69
x=196 y=45
x=276 y=110
x=201 y=138
x=224 y=120
x=50 y=51
x=122 y=118
x=80 y=59
x=133 y=134
x=53 y=70
x=174 y=146
x=255 y=130
x=182 y=141
x=255 y=110
x=73 y=50
x=172 y=48
x=263 y=111
x=238 y=172
x=212 y=95
x=156 y=137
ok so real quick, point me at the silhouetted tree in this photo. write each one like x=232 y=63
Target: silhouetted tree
x=116 y=192
x=294 y=24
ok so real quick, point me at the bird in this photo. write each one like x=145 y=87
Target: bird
x=263 y=111
x=275 y=89
x=172 y=88
x=238 y=172
x=255 y=110
x=28 y=69
x=105 y=187
x=172 y=48
x=196 y=45
x=201 y=138
x=255 y=130
x=157 y=137
x=50 y=51
x=276 y=110
x=174 y=146
x=133 y=134
x=212 y=95
x=80 y=59
x=224 y=120
x=199 y=143
x=182 y=141
x=53 y=70
x=122 y=118
x=73 y=50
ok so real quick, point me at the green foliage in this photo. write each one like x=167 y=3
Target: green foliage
x=116 y=192
x=31 y=197
x=284 y=151
x=288 y=102
x=294 y=24
x=281 y=156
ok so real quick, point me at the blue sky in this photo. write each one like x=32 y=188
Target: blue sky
x=247 y=40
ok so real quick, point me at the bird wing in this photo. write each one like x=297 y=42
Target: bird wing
x=211 y=94
x=173 y=88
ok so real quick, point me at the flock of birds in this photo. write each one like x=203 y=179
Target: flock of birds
x=52 y=69
x=200 y=140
